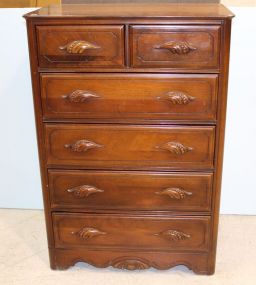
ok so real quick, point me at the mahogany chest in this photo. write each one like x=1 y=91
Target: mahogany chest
x=130 y=103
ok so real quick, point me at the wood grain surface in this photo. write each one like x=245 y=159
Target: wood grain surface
x=130 y=190
x=130 y=105
x=141 y=96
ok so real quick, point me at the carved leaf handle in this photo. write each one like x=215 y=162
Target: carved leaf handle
x=177 y=98
x=180 y=48
x=175 y=148
x=78 y=47
x=84 y=191
x=80 y=96
x=82 y=146
x=88 y=233
x=173 y=235
x=174 y=193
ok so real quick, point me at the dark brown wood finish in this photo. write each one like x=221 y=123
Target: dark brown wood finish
x=145 y=11
x=195 y=47
x=137 y=92
x=146 y=96
x=99 y=231
x=129 y=147
x=75 y=46
x=220 y=132
x=128 y=260
x=112 y=190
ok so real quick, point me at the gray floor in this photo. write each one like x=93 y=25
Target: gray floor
x=24 y=257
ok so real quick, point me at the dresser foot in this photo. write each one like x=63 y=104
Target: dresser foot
x=57 y=262
x=211 y=270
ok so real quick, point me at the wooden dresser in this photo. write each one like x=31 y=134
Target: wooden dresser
x=130 y=103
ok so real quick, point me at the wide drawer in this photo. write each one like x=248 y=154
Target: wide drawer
x=130 y=190
x=81 y=46
x=120 y=96
x=192 y=47
x=132 y=232
x=129 y=147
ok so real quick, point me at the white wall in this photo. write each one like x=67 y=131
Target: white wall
x=239 y=183
x=19 y=173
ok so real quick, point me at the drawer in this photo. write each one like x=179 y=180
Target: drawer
x=120 y=96
x=129 y=147
x=81 y=46
x=131 y=232
x=191 y=47
x=131 y=190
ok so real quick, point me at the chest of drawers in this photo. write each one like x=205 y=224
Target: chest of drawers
x=130 y=103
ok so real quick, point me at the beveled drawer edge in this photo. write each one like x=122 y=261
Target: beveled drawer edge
x=206 y=240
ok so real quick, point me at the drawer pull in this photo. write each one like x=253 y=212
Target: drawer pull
x=177 y=98
x=177 y=47
x=82 y=146
x=80 y=96
x=84 y=191
x=88 y=233
x=174 y=193
x=173 y=235
x=78 y=47
x=176 y=148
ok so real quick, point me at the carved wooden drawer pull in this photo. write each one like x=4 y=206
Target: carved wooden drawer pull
x=80 y=96
x=173 y=235
x=177 y=47
x=175 y=148
x=82 y=146
x=174 y=193
x=88 y=233
x=84 y=191
x=78 y=47
x=177 y=98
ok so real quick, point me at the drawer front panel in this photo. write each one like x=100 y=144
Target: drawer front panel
x=131 y=190
x=132 y=232
x=192 y=47
x=129 y=147
x=146 y=96
x=80 y=46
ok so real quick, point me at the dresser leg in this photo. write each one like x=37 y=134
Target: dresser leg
x=211 y=268
x=211 y=271
x=61 y=259
x=55 y=263
x=52 y=259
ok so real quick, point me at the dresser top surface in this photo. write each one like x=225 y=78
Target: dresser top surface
x=133 y=10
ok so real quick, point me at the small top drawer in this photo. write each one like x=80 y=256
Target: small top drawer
x=80 y=46
x=180 y=47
